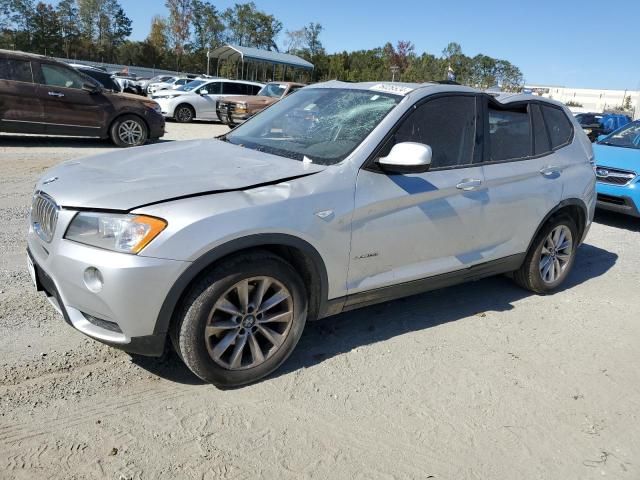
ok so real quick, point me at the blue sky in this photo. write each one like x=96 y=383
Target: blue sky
x=584 y=43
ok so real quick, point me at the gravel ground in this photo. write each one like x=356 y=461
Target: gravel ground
x=483 y=381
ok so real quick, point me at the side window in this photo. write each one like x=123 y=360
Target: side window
x=229 y=88
x=254 y=89
x=509 y=133
x=542 y=144
x=447 y=125
x=558 y=125
x=57 y=76
x=211 y=88
x=16 y=70
x=293 y=89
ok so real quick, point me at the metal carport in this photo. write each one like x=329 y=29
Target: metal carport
x=248 y=61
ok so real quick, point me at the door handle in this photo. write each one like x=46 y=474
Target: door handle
x=56 y=94
x=549 y=171
x=469 y=184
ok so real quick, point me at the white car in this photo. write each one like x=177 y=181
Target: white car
x=169 y=84
x=199 y=98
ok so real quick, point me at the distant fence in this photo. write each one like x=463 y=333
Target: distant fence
x=113 y=67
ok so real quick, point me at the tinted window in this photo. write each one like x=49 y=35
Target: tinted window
x=542 y=144
x=102 y=77
x=254 y=89
x=16 y=70
x=447 y=125
x=233 y=88
x=509 y=133
x=57 y=76
x=558 y=125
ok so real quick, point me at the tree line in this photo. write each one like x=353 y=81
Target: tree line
x=99 y=31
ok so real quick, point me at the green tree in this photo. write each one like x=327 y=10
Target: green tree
x=45 y=30
x=208 y=28
x=249 y=27
x=69 y=30
x=179 y=26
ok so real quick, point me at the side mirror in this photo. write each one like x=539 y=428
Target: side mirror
x=90 y=87
x=204 y=92
x=407 y=157
x=601 y=137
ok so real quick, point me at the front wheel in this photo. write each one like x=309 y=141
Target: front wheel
x=184 y=114
x=129 y=131
x=242 y=320
x=550 y=257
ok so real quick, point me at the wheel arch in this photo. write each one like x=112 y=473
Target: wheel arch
x=184 y=104
x=574 y=207
x=301 y=254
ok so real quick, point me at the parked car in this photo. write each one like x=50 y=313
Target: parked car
x=144 y=84
x=591 y=123
x=43 y=96
x=235 y=110
x=169 y=84
x=617 y=168
x=198 y=99
x=596 y=124
x=228 y=246
x=105 y=78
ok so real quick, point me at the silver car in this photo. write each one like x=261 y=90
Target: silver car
x=340 y=196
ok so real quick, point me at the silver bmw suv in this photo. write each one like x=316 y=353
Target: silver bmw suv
x=339 y=196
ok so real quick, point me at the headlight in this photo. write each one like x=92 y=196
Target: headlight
x=242 y=107
x=167 y=97
x=117 y=232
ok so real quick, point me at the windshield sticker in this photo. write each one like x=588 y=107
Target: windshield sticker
x=391 y=88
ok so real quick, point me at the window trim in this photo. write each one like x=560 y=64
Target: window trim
x=370 y=164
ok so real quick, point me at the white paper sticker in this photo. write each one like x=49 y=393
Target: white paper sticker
x=391 y=88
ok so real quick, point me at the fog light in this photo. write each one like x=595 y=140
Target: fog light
x=93 y=279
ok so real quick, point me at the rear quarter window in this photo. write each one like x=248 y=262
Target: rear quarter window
x=558 y=126
x=509 y=133
x=16 y=70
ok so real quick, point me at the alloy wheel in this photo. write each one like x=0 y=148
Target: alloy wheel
x=130 y=132
x=249 y=323
x=556 y=253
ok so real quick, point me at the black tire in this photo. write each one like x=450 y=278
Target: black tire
x=188 y=333
x=184 y=113
x=529 y=276
x=119 y=137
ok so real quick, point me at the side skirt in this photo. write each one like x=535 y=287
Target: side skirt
x=393 y=292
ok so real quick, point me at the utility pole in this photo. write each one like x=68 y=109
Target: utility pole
x=394 y=70
x=208 y=60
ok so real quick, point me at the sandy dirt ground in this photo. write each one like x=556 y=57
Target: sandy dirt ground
x=482 y=381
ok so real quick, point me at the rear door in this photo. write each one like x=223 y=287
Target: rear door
x=522 y=172
x=68 y=108
x=20 y=108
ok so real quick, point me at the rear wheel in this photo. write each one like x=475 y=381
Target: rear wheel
x=550 y=257
x=184 y=114
x=242 y=320
x=129 y=131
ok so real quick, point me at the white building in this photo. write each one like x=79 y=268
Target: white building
x=591 y=99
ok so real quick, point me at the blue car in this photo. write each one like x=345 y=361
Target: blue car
x=617 y=167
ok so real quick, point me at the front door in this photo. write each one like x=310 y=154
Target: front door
x=412 y=226
x=207 y=101
x=68 y=108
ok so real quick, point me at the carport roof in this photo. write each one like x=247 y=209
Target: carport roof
x=235 y=52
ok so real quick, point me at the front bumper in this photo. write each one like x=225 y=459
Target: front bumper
x=620 y=199
x=124 y=312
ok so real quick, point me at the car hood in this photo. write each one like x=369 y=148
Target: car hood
x=252 y=100
x=617 y=157
x=139 y=176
